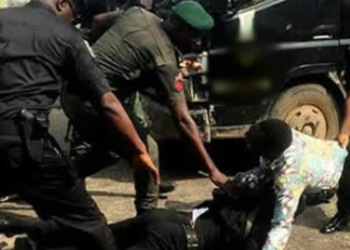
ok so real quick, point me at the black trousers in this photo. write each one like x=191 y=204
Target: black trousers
x=54 y=191
x=344 y=189
x=153 y=230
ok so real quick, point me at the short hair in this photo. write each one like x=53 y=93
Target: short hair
x=275 y=136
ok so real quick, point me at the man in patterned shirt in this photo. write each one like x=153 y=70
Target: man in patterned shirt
x=297 y=164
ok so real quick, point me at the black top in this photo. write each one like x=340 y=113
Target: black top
x=154 y=230
x=38 y=53
x=219 y=229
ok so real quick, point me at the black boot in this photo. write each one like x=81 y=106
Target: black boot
x=166 y=187
x=24 y=244
x=335 y=224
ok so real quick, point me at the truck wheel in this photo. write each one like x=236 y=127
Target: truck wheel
x=310 y=109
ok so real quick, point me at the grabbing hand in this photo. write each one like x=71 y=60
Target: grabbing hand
x=144 y=160
x=343 y=139
x=218 y=178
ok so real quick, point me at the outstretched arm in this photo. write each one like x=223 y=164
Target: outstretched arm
x=190 y=130
x=287 y=200
x=90 y=83
x=114 y=111
x=343 y=136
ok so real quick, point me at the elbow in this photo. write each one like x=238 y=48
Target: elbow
x=109 y=104
x=187 y=126
x=185 y=120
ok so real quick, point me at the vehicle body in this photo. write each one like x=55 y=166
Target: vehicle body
x=310 y=38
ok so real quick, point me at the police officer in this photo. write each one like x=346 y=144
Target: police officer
x=136 y=52
x=342 y=217
x=39 y=52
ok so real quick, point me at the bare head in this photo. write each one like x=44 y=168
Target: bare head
x=64 y=9
x=269 y=138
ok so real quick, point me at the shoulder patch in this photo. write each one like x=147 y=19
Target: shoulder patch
x=179 y=83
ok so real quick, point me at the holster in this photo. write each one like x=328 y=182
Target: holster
x=192 y=239
x=33 y=131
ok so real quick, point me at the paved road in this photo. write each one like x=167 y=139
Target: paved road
x=113 y=190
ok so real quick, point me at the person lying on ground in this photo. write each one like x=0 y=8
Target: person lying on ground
x=219 y=223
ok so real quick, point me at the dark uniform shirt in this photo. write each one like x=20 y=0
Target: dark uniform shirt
x=38 y=53
x=137 y=44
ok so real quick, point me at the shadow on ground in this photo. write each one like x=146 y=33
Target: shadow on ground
x=178 y=162
x=312 y=217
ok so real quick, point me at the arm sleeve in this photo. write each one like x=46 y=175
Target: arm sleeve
x=86 y=76
x=289 y=186
x=171 y=81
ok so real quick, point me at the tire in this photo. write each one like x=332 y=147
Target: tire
x=308 y=108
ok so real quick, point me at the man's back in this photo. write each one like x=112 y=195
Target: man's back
x=319 y=162
x=33 y=42
x=135 y=43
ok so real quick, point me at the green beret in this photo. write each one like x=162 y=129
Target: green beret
x=194 y=15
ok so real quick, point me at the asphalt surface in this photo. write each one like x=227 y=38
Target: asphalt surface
x=114 y=192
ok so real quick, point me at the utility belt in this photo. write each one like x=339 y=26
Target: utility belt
x=33 y=132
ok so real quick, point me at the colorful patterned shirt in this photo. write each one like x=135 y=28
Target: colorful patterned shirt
x=308 y=165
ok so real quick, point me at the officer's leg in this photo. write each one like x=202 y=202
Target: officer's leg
x=146 y=190
x=52 y=188
x=343 y=205
x=99 y=134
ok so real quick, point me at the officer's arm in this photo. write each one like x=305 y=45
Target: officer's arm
x=126 y=132
x=172 y=82
x=190 y=129
x=110 y=106
x=345 y=128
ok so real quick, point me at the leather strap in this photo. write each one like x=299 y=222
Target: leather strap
x=191 y=236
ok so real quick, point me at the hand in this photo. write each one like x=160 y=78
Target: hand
x=218 y=178
x=145 y=161
x=343 y=139
x=190 y=65
x=184 y=71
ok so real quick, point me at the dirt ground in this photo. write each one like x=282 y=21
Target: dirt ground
x=114 y=193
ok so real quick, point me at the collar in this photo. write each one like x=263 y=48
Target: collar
x=40 y=5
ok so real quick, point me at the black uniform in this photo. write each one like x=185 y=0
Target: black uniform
x=39 y=52
x=344 y=190
x=220 y=227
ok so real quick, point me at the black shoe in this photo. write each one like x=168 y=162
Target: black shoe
x=10 y=225
x=335 y=224
x=166 y=187
x=24 y=244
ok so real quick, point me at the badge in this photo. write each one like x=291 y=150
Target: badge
x=179 y=82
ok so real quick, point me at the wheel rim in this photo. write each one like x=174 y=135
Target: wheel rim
x=308 y=119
